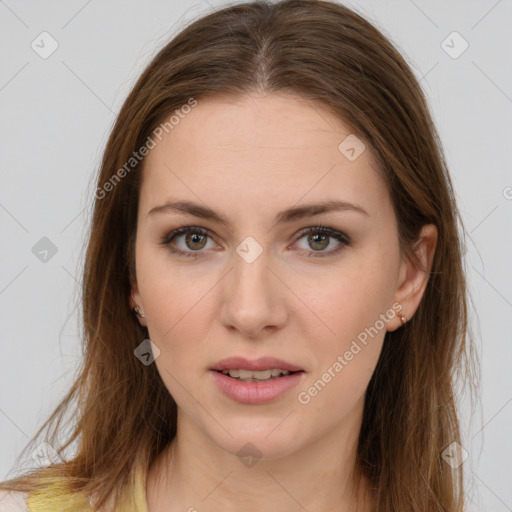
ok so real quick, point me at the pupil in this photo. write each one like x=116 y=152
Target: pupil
x=194 y=238
x=324 y=237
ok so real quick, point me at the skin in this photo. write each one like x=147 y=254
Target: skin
x=248 y=159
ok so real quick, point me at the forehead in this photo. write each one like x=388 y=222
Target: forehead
x=272 y=148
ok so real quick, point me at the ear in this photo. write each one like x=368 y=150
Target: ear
x=412 y=280
x=135 y=301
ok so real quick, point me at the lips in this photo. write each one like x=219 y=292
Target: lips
x=263 y=363
x=254 y=392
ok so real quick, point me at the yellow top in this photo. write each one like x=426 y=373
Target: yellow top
x=57 y=497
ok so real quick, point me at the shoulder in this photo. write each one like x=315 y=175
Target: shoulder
x=13 y=501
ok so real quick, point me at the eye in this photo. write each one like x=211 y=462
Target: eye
x=318 y=239
x=194 y=239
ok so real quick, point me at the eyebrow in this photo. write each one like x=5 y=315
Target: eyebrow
x=286 y=216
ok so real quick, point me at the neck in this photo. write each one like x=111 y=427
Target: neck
x=195 y=474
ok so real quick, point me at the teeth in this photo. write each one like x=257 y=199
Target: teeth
x=259 y=375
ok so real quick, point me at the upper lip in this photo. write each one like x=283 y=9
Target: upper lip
x=263 y=363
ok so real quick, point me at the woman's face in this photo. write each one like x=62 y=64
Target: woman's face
x=257 y=284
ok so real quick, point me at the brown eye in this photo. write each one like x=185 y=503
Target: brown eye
x=319 y=238
x=195 y=239
x=318 y=241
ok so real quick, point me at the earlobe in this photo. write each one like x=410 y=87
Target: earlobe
x=135 y=305
x=414 y=275
x=138 y=312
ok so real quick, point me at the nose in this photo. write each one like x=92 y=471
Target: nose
x=254 y=297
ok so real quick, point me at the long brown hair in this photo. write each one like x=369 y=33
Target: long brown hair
x=329 y=55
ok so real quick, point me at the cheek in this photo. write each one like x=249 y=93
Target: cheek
x=179 y=305
x=173 y=293
x=346 y=360
x=178 y=329
x=178 y=315
x=354 y=307
x=347 y=300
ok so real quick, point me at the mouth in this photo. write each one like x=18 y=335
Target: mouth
x=256 y=381
x=256 y=376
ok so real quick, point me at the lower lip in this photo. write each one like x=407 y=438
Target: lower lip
x=256 y=392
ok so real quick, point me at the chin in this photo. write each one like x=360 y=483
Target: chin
x=262 y=441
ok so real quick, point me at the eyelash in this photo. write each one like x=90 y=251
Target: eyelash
x=338 y=235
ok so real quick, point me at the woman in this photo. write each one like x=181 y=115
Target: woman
x=274 y=302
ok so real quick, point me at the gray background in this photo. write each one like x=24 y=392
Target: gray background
x=56 y=114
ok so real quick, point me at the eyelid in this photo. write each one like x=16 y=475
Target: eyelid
x=340 y=236
x=324 y=230
x=170 y=236
x=343 y=239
